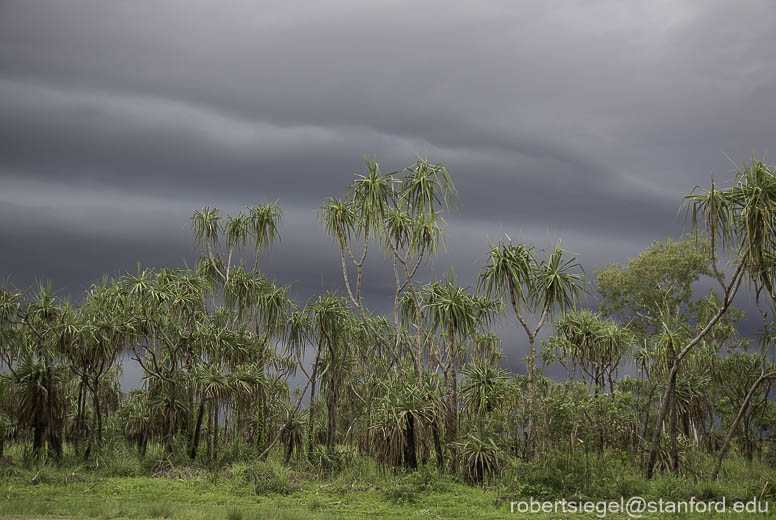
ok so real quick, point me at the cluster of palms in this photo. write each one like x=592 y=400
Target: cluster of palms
x=219 y=345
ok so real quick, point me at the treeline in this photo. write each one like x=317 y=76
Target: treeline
x=655 y=372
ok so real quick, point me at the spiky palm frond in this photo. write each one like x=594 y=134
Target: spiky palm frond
x=263 y=223
x=484 y=386
x=206 y=224
x=509 y=273
x=481 y=455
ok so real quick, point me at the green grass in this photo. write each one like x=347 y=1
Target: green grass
x=121 y=487
x=148 y=497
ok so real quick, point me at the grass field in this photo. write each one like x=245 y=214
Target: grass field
x=147 y=497
x=124 y=487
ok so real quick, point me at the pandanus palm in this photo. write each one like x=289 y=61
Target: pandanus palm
x=592 y=343
x=236 y=232
x=264 y=221
x=531 y=286
x=7 y=405
x=327 y=322
x=425 y=190
x=9 y=330
x=482 y=457
x=206 y=224
x=108 y=327
x=213 y=385
x=167 y=307
x=402 y=406
x=137 y=419
x=483 y=388
x=41 y=399
x=359 y=216
x=45 y=324
x=457 y=316
x=402 y=210
x=10 y=305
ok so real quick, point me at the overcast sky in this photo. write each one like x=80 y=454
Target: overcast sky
x=581 y=121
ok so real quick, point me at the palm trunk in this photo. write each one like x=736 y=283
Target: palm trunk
x=437 y=445
x=37 y=437
x=452 y=402
x=210 y=431
x=197 y=430
x=410 y=456
x=645 y=423
x=98 y=411
x=310 y=420
x=529 y=431
x=215 y=431
x=92 y=431
x=54 y=427
x=452 y=420
x=170 y=424
x=79 y=417
x=331 y=430
x=144 y=445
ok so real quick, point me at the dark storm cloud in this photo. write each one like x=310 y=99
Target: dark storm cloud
x=586 y=121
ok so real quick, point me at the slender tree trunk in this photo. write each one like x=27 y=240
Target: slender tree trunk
x=672 y=428
x=289 y=452
x=170 y=425
x=529 y=431
x=261 y=422
x=98 y=412
x=730 y=292
x=452 y=419
x=37 y=437
x=144 y=444
x=313 y=378
x=741 y=412
x=210 y=431
x=331 y=430
x=645 y=423
x=310 y=422
x=437 y=445
x=410 y=456
x=54 y=426
x=92 y=430
x=215 y=430
x=79 y=419
x=746 y=427
x=197 y=430
x=661 y=416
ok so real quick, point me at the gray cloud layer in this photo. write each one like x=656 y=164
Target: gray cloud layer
x=581 y=120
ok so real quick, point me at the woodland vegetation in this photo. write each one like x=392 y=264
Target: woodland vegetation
x=659 y=380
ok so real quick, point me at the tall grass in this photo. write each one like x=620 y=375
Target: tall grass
x=612 y=474
x=607 y=475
